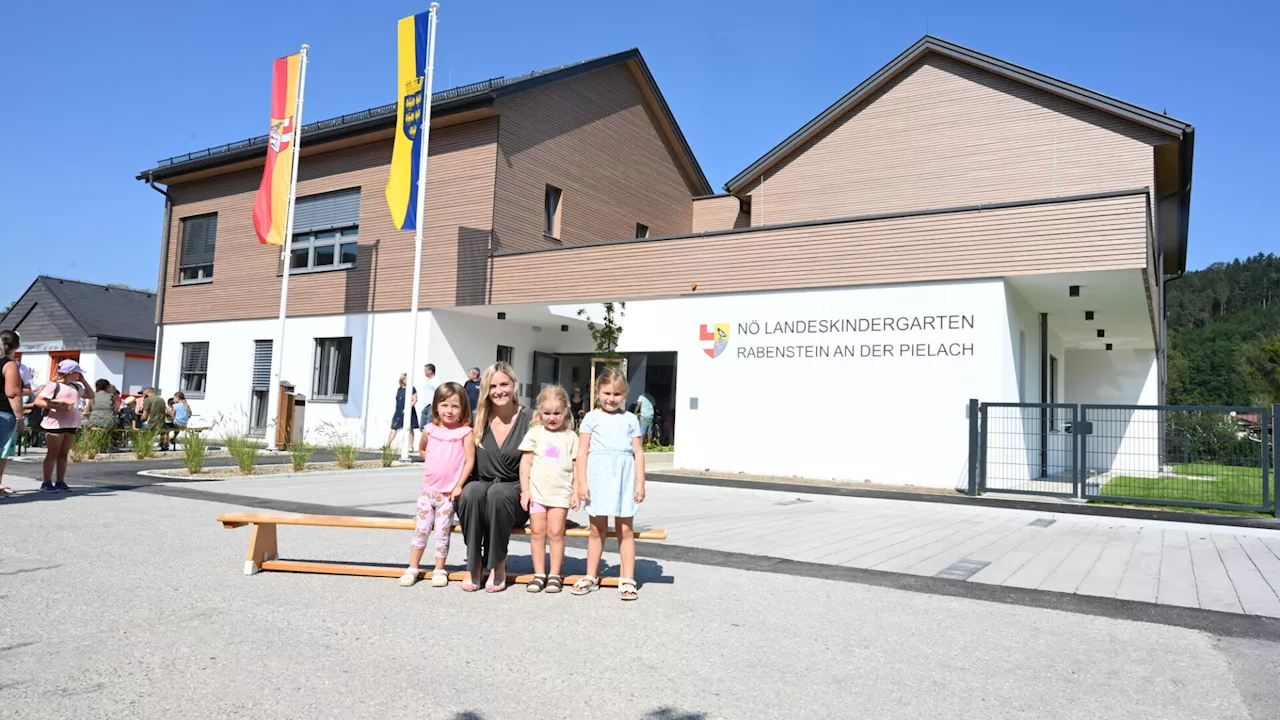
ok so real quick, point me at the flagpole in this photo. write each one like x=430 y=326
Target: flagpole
x=286 y=254
x=417 y=237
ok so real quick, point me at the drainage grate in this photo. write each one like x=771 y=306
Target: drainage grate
x=1042 y=523
x=797 y=501
x=962 y=570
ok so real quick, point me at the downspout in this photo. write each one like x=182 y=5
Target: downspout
x=164 y=281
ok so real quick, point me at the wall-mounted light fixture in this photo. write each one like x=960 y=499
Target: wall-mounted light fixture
x=1074 y=291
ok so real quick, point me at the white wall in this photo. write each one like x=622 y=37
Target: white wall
x=889 y=419
x=104 y=365
x=380 y=353
x=39 y=364
x=1123 y=441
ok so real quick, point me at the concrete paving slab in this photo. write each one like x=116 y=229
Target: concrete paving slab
x=1213 y=586
x=1177 y=573
x=1103 y=579
x=1141 y=579
x=1255 y=595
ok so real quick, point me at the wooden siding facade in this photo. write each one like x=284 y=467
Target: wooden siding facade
x=246 y=274
x=719 y=212
x=597 y=140
x=1106 y=233
x=944 y=133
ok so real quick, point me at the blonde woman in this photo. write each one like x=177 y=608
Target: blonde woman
x=489 y=503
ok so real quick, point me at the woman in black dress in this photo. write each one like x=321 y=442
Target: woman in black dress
x=489 y=504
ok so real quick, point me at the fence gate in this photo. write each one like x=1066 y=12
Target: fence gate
x=1180 y=455
x=1175 y=455
x=1027 y=448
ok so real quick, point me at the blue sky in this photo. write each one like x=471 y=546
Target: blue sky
x=96 y=92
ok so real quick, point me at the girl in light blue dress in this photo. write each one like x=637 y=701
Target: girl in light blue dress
x=609 y=480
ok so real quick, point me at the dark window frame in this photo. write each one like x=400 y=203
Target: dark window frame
x=196 y=273
x=193 y=376
x=642 y=230
x=553 y=212
x=506 y=354
x=331 y=370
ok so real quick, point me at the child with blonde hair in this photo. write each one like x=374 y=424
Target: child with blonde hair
x=609 y=480
x=546 y=483
x=448 y=456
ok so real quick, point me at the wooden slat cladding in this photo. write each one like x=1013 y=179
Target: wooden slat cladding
x=945 y=133
x=246 y=280
x=1096 y=234
x=722 y=212
x=593 y=137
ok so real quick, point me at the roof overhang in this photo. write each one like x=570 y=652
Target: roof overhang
x=448 y=107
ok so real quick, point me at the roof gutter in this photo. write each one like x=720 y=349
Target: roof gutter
x=162 y=285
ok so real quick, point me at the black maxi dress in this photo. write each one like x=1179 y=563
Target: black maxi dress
x=489 y=506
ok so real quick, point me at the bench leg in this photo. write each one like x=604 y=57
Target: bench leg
x=262 y=547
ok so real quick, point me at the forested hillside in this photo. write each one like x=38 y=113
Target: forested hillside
x=1224 y=334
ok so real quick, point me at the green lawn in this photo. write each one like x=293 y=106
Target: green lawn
x=1233 y=485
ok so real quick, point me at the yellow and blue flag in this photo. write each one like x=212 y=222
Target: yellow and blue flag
x=402 y=187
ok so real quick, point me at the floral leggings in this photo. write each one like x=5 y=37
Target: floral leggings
x=435 y=510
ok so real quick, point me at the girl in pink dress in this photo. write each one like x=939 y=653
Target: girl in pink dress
x=448 y=456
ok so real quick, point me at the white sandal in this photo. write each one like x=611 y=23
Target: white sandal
x=586 y=584
x=409 y=577
x=439 y=578
x=627 y=589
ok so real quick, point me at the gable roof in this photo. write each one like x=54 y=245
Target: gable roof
x=99 y=310
x=445 y=102
x=928 y=44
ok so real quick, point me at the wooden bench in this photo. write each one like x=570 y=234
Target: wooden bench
x=264 y=555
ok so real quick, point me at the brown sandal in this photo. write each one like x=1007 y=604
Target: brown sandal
x=554 y=584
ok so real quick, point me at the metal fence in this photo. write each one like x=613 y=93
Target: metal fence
x=1183 y=456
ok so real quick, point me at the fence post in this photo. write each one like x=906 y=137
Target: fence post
x=1275 y=456
x=973 y=446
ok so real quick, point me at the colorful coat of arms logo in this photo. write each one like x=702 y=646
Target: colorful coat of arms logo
x=281 y=133
x=715 y=339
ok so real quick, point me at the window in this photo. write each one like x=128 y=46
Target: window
x=1053 y=391
x=551 y=227
x=642 y=230
x=261 y=384
x=195 y=369
x=326 y=230
x=506 y=354
x=332 y=369
x=195 y=261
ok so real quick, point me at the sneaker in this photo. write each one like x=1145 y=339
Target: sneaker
x=409 y=577
x=47 y=487
x=61 y=486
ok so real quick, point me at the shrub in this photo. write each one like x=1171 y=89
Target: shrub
x=300 y=454
x=388 y=455
x=244 y=450
x=346 y=452
x=143 y=443
x=95 y=440
x=79 y=449
x=195 y=452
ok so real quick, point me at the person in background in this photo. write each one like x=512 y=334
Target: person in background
x=102 y=408
x=181 y=414
x=577 y=407
x=472 y=387
x=397 y=420
x=429 y=389
x=11 y=405
x=60 y=400
x=129 y=414
x=644 y=411
x=155 y=414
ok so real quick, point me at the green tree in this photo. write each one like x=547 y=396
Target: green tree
x=609 y=331
x=1262 y=367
